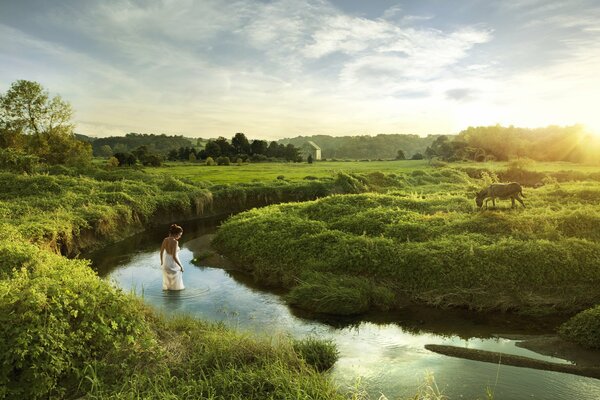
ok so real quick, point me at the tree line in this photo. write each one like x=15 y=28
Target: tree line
x=383 y=146
x=484 y=143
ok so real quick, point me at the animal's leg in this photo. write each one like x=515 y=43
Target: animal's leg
x=512 y=200
x=520 y=201
x=494 y=202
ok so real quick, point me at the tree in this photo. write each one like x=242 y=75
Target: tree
x=31 y=120
x=240 y=144
x=259 y=147
x=112 y=162
x=106 y=151
x=417 y=156
x=125 y=159
x=273 y=149
x=226 y=148
x=212 y=149
x=400 y=155
x=309 y=159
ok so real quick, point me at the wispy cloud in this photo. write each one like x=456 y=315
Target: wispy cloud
x=285 y=67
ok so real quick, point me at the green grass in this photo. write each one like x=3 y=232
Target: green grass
x=264 y=172
x=414 y=237
x=425 y=241
x=583 y=328
x=65 y=333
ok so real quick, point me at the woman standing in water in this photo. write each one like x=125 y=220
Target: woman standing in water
x=169 y=260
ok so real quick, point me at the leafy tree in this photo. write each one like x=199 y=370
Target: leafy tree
x=226 y=148
x=152 y=160
x=161 y=144
x=140 y=152
x=32 y=121
x=125 y=159
x=112 y=162
x=240 y=144
x=259 y=147
x=417 y=156
x=106 y=151
x=210 y=161
x=192 y=157
x=173 y=155
x=273 y=149
x=212 y=149
x=292 y=153
x=400 y=155
x=309 y=159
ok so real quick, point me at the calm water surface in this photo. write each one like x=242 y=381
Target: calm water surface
x=384 y=352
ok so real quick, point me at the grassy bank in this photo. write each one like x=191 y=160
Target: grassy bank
x=424 y=241
x=66 y=333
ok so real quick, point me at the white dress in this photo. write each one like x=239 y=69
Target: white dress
x=172 y=275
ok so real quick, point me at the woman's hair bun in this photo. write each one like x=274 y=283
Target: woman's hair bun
x=175 y=229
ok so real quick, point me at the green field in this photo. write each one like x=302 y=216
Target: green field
x=270 y=171
x=375 y=235
x=262 y=172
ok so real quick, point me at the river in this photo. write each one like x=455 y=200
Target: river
x=382 y=353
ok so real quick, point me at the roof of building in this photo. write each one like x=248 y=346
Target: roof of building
x=313 y=145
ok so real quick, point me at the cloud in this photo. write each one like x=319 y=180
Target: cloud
x=460 y=94
x=288 y=66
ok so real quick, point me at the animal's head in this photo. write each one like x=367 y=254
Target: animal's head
x=479 y=198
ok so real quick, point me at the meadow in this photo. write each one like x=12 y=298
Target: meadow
x=197 y=172
x=66 y=333
x=349 y=238
x=416 y=236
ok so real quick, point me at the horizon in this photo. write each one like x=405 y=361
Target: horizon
x=287 y=68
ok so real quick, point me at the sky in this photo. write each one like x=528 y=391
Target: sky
x=284 y=68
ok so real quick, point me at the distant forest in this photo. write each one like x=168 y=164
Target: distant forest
x=366 y=147
x=482 y=143
x=161 y=144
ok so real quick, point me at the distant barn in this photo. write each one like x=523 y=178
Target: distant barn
x=310 y=148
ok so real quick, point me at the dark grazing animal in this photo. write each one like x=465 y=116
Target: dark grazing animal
x=500 y=191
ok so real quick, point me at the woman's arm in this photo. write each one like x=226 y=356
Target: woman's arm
x=162 y=250
x=176 y=258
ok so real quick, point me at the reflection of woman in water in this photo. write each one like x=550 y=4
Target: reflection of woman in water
x=169 y=260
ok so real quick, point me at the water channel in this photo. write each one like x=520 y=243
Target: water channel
x=385 y=353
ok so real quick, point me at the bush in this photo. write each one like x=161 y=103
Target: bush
x=583 y=328
x=16 y=161
x=223 y=161
x=56 y=317
x=210 y=161
x=112 y=162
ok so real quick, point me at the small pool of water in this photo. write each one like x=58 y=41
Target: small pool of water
x=384 y=352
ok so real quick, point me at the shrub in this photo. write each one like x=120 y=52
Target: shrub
x=583 y=328
x=16 y=161
x=223 y=161
x=210 y=161
x=56 y=316
x=112 y=162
